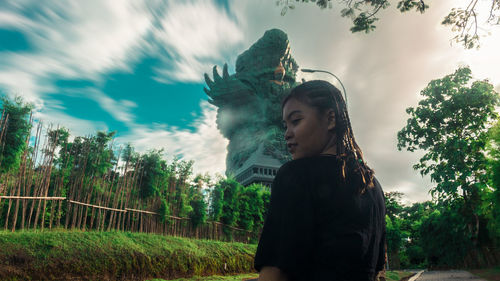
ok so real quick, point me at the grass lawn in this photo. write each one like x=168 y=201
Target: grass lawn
x=80 y=255
x=391 y=276
x=217 y=278
x=492 y=274
x=396 y=275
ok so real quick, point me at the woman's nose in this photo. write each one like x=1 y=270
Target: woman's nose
x=288 y=134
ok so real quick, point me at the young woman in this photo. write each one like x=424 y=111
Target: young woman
x=327 y=214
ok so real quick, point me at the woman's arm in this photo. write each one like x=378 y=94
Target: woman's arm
x=271 y=273
x=287 y=239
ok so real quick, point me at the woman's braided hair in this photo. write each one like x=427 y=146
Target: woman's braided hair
x=324 y=96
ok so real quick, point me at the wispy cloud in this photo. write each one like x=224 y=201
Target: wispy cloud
x=77 y=127
x=71 y=40
x=121 y=110
x=205 y=145
x=78 y=38
x=196 y=35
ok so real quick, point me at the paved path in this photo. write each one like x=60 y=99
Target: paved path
x=447 y=276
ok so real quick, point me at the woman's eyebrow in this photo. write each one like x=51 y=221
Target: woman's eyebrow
x=291 y=113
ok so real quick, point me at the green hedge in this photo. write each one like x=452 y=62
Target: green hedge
x=78 y=255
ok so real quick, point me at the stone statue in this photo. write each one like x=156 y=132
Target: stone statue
x=249 y=101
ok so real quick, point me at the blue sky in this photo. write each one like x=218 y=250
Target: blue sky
x=137 y=67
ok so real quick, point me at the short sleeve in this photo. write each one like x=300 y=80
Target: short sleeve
x=287 y=239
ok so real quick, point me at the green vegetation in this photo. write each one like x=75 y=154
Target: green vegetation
x=397 y=275
x=14 y=131
x=390 y=275
x=32 y=255
x=238 y=277
x=456 y=125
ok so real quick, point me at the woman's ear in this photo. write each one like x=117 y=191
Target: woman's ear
x=331 y=119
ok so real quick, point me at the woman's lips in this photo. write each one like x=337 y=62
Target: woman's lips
x=291 y=147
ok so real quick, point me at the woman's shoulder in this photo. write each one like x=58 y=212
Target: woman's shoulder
x=309 y=162
x=302 y=169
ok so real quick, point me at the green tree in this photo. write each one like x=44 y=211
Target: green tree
x=129 y=156
x=152 y=169
x=363 y=13
x=393 y=203
x=230 y=205
x=14 y=131
x=198 y=215
x=395 y=235
x=492 y=198
x=451 y=125
x=445 y=238
x=181 y=171
x=412 y=218
x=251 y=207
x=216 y=202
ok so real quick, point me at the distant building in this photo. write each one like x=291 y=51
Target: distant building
x=258 y=168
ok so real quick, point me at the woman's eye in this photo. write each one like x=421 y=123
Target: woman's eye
x=295 y=121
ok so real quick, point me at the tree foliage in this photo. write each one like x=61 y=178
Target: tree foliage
x=230 y=204
x=492 y=198
x=216 y=202
x=444 y=237
x=451 y=125
x=197 y=200
x=152 y=170
x=235 y=205
x=251 y=207
x=464 y=21
x=14 y=131
x=395 y=234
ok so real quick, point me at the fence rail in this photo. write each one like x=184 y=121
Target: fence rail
x=178 y=226
x=33 y=197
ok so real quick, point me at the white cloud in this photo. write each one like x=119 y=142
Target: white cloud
x=197 y=35
x=119 y=109
x=76 y=126
x=205 y=145
x=71 y=40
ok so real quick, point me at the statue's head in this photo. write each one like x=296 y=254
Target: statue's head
x=268 y=58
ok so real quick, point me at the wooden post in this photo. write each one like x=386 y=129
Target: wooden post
x=47 y=184
x=20 y=179
x=8 y=214
x=59 y=214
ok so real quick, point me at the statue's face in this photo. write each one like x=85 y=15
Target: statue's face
x=308 y=133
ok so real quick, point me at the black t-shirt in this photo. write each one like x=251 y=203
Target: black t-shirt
x=320 y=228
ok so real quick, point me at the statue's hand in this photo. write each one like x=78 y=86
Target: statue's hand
x=227 y=89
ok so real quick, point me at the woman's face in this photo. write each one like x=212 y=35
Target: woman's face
x=307 y=132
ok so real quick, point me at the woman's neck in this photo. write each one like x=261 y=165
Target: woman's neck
x=331 y=146
x=332 y=150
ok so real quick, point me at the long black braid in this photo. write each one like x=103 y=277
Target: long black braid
x=324 y=96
